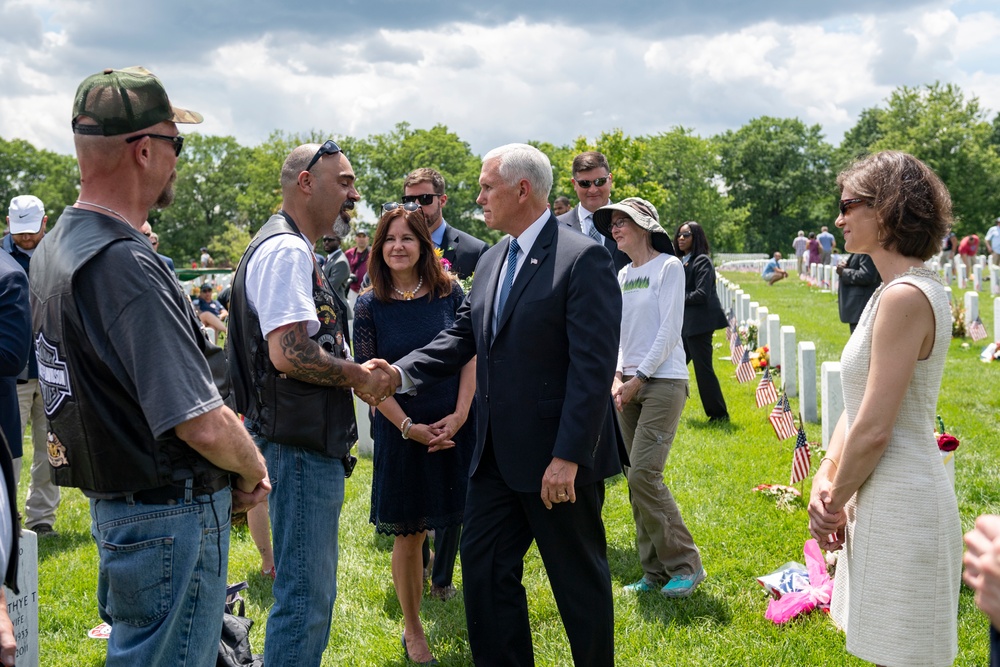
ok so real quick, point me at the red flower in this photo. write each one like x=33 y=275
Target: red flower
x=947 y=442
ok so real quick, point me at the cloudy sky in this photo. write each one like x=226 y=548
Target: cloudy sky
x=537 y=70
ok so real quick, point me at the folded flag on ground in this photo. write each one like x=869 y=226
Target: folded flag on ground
x=745 y=371
x=781 y=419
x=766 y=393
x=801 y=459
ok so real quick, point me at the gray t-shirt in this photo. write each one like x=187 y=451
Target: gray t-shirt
x=145 y=332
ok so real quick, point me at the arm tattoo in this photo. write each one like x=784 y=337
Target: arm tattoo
x=311 y=362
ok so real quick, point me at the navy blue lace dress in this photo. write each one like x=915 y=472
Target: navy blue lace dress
x=414 y=490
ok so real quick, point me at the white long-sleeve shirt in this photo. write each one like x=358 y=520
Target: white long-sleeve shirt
x=652 y=316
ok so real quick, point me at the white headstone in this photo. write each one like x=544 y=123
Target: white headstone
x=23 y=608
x=366 y=447
x=977 y=277
x=971 y=308
x=762 y=327
x=996 y=319
x=744 y=308
x=949 y=272
x=833 y=398
x=807 y=382
x=962 y=275
x=994 y=280
x=951 y=297
x=773 y=327
x=752 y=313
x=787 y=361
x=737 y=304
x=835 y=283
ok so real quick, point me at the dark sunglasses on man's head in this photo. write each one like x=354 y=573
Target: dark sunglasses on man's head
x=423 y=200
x=177 y=141
x=848 y=203
x=597 y=181
x=410 y=206
x=329 y=147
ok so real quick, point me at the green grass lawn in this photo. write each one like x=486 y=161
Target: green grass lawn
x=711 y=471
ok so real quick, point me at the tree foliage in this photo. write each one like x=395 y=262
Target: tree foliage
x=751 y=188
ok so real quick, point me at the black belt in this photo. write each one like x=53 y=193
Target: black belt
x=173 y=493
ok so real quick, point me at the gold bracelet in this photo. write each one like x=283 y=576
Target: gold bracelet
x=827 y=458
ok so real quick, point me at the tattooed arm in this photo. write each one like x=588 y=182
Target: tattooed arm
x=295 y=354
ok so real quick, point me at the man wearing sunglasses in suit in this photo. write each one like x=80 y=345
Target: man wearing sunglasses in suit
x=592 y=182
x=426 y=187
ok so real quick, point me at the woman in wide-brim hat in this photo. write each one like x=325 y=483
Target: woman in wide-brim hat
x=650 y=389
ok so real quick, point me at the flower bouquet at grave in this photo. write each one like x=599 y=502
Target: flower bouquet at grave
x=748 y=334
x=760 y=358
x=785 y=497
x=957 y=321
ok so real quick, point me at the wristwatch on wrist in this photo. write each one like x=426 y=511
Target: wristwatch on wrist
x=642 y=377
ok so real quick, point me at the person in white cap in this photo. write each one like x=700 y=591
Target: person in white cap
x=26 y=222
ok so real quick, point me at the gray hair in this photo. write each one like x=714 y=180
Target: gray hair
x=296 y=163
x=519 y=161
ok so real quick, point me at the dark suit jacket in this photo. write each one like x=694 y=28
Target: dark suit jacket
x=15 y=342
x=462 y=251
x=572 y=219
x=858 y=281
x=544 y=377
x=702 y=308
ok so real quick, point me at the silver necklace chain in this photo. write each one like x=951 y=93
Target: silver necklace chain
x=105 y=208
x=409 y=294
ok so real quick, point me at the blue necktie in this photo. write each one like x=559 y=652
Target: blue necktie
x=508 y=279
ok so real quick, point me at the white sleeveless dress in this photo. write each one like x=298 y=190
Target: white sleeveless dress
x=897 y=582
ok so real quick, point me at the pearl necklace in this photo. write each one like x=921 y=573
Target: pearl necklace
x=409 y=294
x=105 y=208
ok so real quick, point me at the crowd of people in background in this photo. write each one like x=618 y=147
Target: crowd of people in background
x=598 y=303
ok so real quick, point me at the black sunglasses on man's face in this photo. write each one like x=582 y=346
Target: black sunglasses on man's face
x=423 y=200
x=177 y=141
x=329 y=147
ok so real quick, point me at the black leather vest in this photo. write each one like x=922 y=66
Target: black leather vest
x=98 y=438
x=279 y=408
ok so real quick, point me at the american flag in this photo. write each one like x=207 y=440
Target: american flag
x=745 y=371
x=781 y=419
x=736 y=350
x=766 y=393
x=800 y=459
x=976 y=330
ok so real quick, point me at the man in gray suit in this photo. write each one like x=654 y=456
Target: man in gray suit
x=592 y=181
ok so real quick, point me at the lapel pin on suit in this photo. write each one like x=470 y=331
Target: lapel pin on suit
x=534 y=260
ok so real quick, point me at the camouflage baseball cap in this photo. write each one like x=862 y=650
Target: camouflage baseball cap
x=123 y=101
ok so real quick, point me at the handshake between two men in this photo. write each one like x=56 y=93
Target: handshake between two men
x=379 y=382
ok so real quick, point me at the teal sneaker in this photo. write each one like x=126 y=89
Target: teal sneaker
x=683 y=585
x=641 y=586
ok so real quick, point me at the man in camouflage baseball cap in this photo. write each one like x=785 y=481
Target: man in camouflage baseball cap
x=124 y=101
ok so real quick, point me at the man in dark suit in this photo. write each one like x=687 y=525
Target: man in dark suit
x=858 y=281
x=542 y=320
x=426 y=187
x=592 y=181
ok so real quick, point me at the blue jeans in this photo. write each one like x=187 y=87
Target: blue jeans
x=307 y=492
x=162 y=578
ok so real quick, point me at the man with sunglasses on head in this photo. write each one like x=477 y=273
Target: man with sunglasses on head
x=592 y=182
x=152 y=445
x=288 y=344
x=425 y=186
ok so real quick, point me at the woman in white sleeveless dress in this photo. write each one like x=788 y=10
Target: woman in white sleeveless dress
x=881 y=492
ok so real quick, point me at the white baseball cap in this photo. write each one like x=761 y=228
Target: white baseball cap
x=26 y=214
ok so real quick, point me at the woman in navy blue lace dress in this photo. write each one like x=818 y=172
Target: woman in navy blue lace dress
x=423 y=443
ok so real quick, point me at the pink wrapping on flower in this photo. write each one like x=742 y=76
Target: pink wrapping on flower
x=817 y=593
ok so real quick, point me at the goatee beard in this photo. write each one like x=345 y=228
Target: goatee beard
x=166 y=197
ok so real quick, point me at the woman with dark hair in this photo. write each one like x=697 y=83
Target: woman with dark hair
x=813 y=250
x=703 y=315
x=423 y=443
x=881 y=493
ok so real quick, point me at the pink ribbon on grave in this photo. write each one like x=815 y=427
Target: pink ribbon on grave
x=817 y=593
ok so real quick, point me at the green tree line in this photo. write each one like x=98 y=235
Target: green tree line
x=752 y=188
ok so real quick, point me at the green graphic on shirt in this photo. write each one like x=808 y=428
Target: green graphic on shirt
x=635 y=283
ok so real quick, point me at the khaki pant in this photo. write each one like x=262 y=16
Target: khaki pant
x=649 y=423
x=43 y=495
